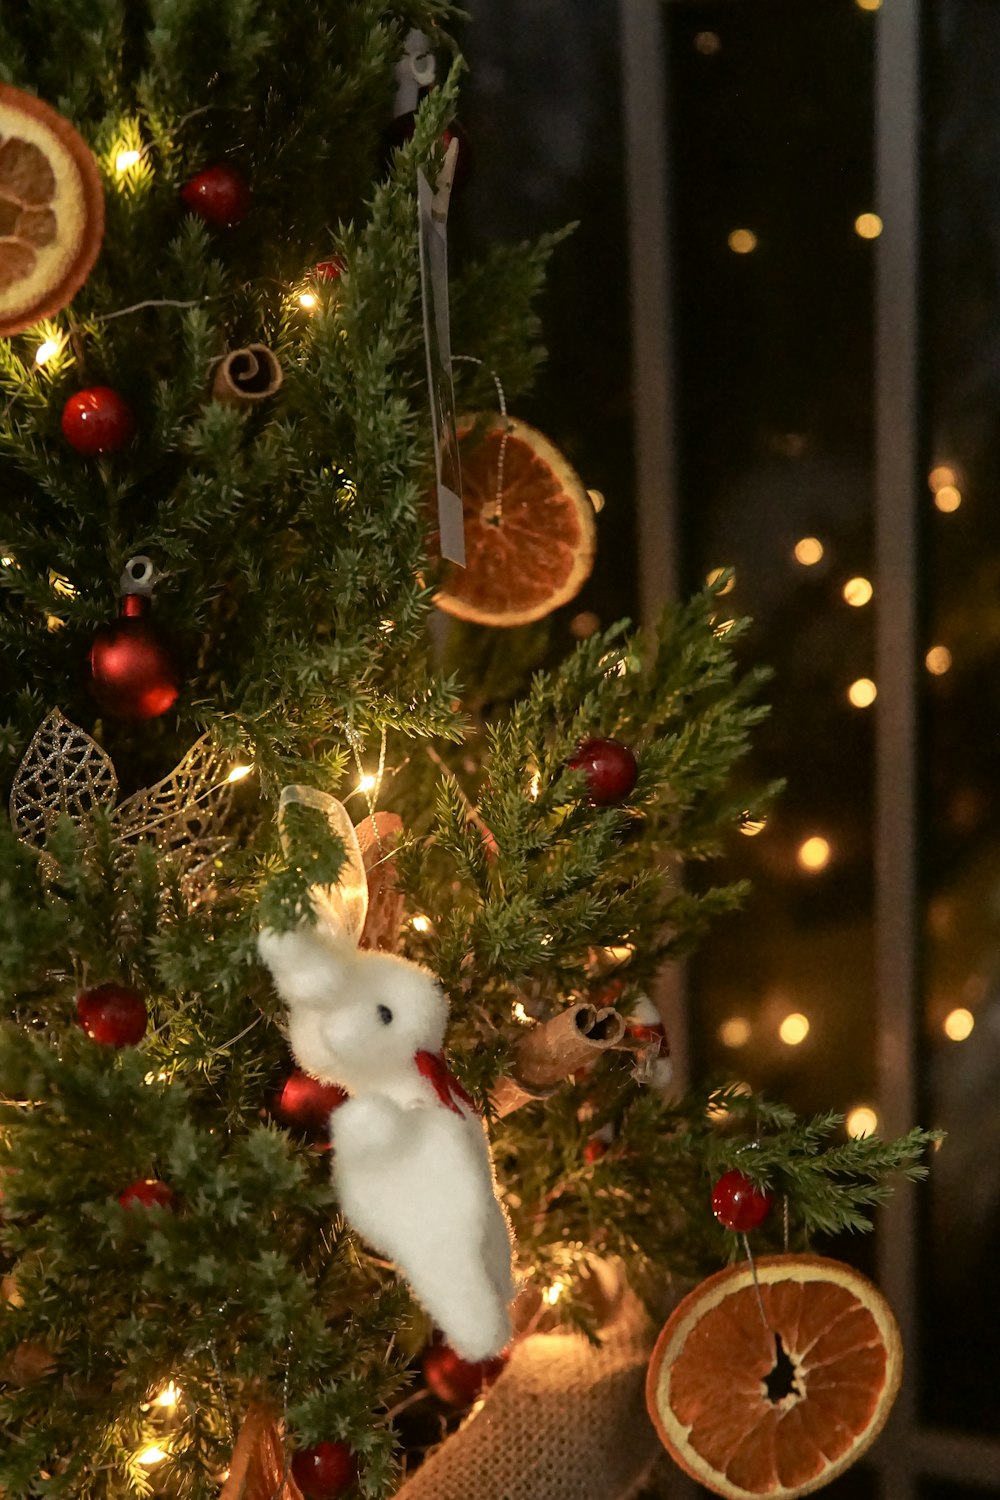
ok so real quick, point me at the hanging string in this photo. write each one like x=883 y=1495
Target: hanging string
x=470 y=359
x=226 y=1411
x=150 y=302
x=287 y=1466
x=756 y=1284
x=785 y=1220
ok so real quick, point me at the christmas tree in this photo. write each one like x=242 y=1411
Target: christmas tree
x=215 y=387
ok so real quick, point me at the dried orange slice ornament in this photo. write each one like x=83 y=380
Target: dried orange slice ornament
x=51 y=210
x=529 y=526
x=775 y=1390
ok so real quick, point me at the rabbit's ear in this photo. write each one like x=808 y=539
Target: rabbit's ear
x=310 y=965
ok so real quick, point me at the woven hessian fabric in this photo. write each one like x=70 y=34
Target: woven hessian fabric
x=565 y=1421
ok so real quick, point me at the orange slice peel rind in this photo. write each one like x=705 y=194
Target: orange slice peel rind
x=530 y=535
x=775 y=1409
x=51 y=210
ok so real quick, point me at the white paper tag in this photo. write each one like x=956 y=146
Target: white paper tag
x=433 y=212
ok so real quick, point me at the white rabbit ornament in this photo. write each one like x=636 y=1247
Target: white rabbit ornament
x=411 y=1160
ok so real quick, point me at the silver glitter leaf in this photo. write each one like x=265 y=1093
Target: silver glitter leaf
x=64 y=771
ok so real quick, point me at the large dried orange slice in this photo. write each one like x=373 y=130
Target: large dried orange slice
x=529 y=526
x=51 y=210
x=774 y=1390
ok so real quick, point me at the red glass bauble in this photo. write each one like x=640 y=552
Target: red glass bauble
x=456 y=1381
x=737 y=1204
x=97 y=420
x=594 y=1149
x=329 y=270
x=219 y=195
x=306 y=1104
x=112 y=1014
x=610 y=769
x=147 y=1192
x=325 y=1470
x=132 y=674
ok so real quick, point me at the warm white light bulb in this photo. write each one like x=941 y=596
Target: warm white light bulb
x=152 y=1455
x=126 y=159
x=239 y=772
x=366 y=784
x=307 y=300
x=45 y=351
x=552 y=1293
x=421 y=923
x=169 y=1396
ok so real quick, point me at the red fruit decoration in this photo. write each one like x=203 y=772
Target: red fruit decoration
x=306 y=1104
x=112 y=1014
x=737 y=1204
x=325 y=1470
x=147 y=1192
x=132 y=674
x=610 y=769
x=97 y=420
x=219 y=195
x=455 y=1381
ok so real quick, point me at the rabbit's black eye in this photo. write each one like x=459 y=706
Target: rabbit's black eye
x=384 y=1014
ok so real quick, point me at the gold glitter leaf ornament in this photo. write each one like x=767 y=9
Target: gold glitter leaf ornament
x=66 y=773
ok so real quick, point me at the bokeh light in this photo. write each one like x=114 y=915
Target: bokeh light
x=734 y=1031
x=794 y=1029
x=814 y=853
x=862 y=1120
x=862 y=693
x=858 y=591
x=958 y=1024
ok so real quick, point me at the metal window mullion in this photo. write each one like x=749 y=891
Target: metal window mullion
x=896 y=524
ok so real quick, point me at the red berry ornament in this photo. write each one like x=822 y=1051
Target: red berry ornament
x=737 y=1204
x=147 y=1192
x=594 y=1149
x=328 y=270
x=325 y=1470
x=307 y=1104
x=132 y=674
x=97 y=420
x=610 y=769
x=112 y=1014
x=219 y=195
x=456 y=1381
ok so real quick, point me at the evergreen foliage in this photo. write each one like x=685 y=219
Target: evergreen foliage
x=296 y=586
